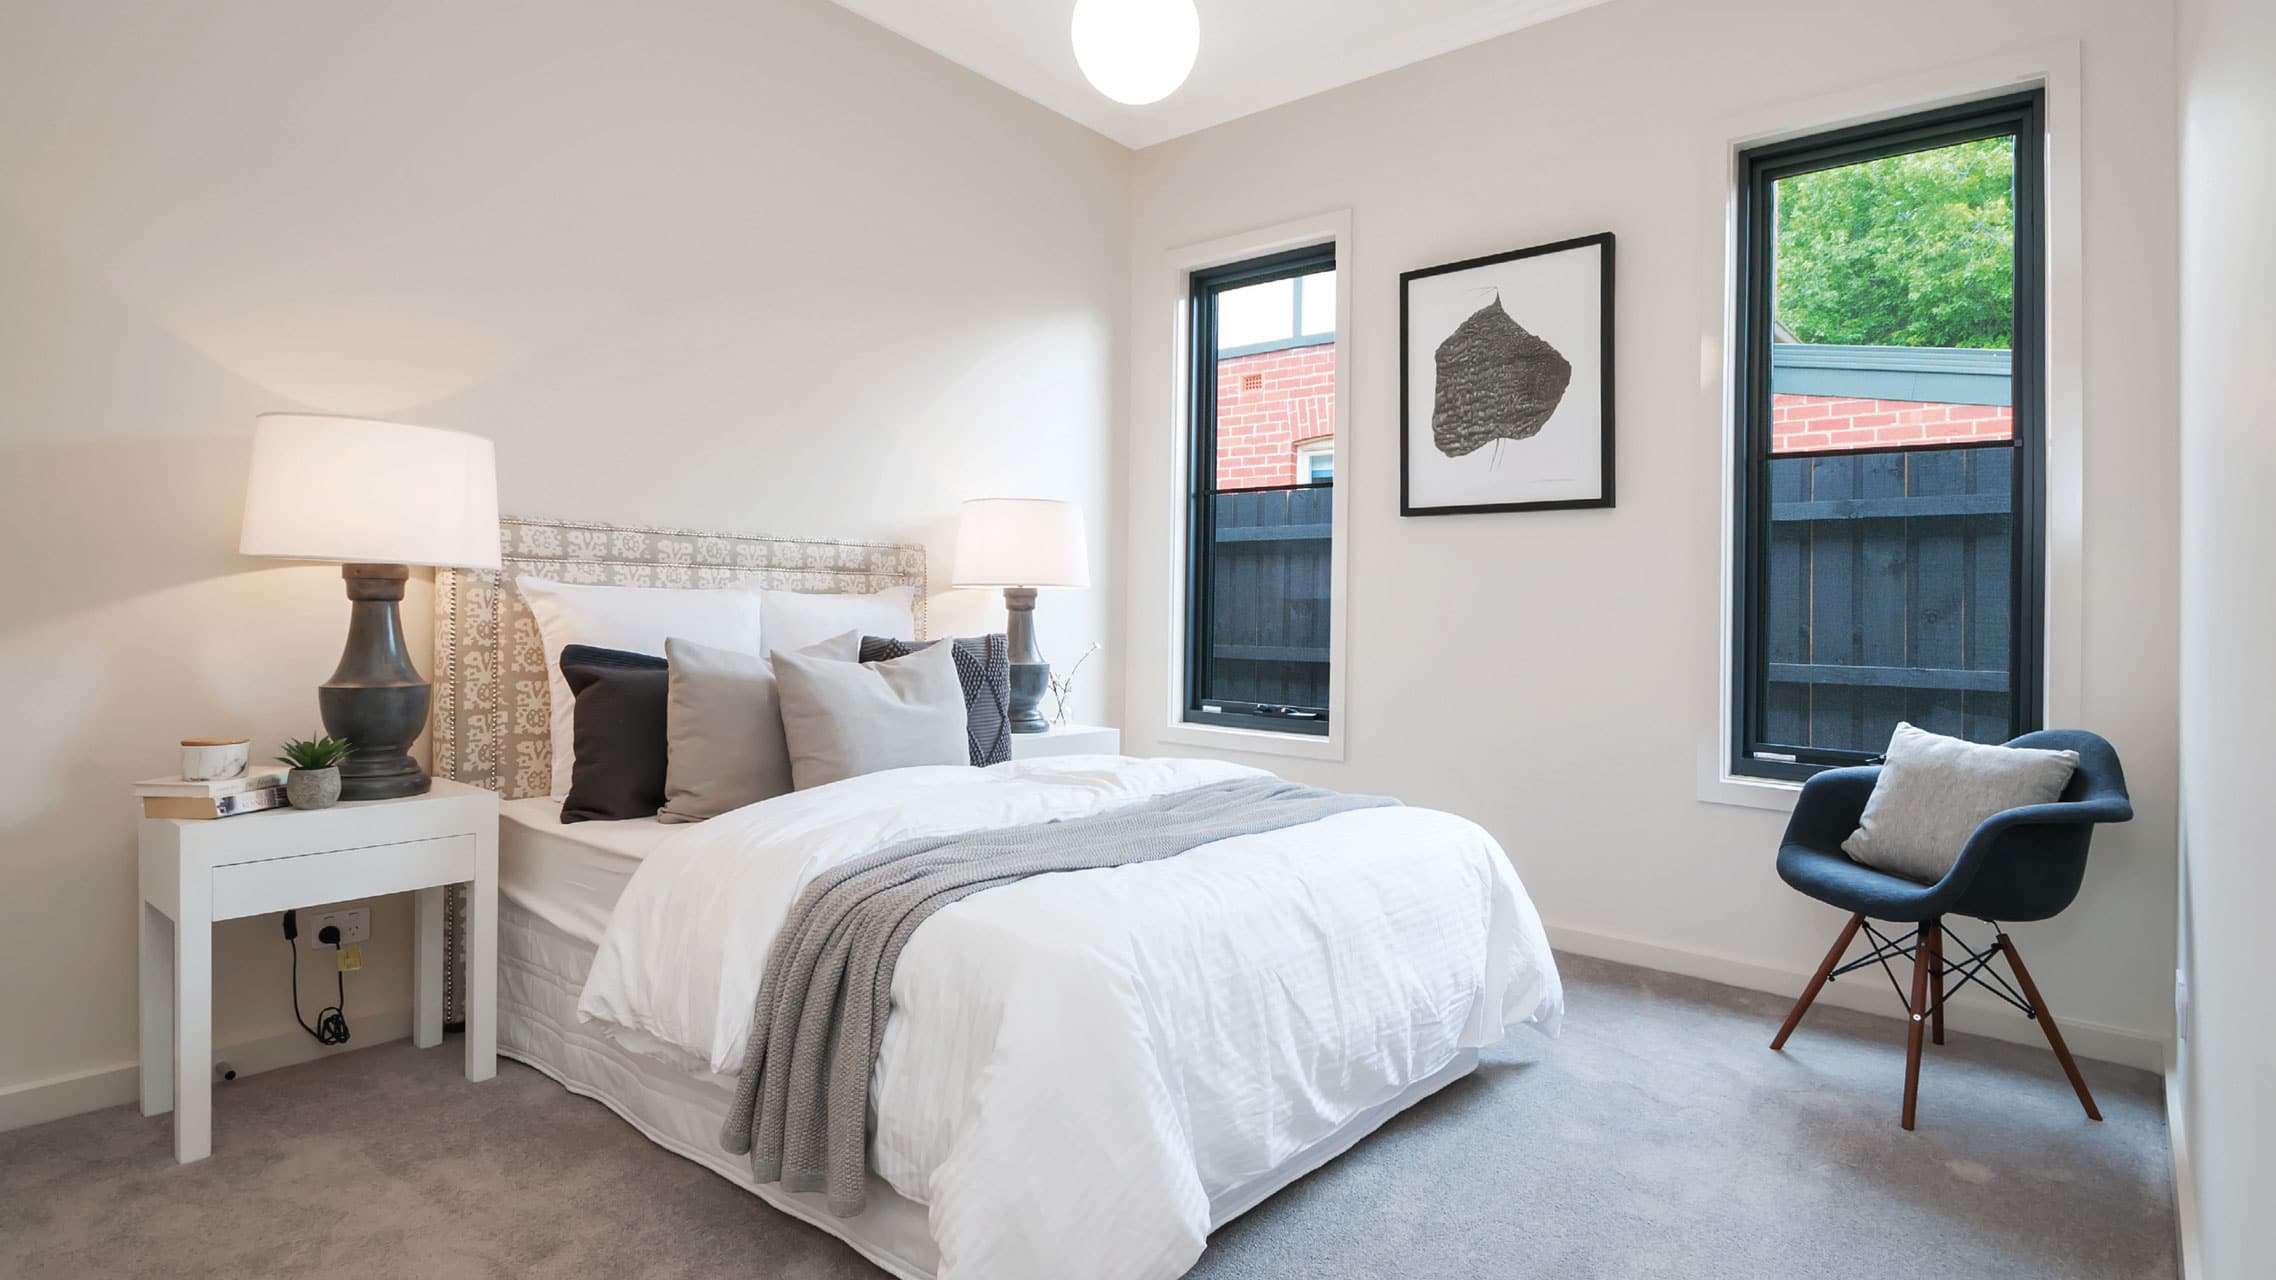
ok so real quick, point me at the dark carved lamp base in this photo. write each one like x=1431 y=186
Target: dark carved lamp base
x=376 y=699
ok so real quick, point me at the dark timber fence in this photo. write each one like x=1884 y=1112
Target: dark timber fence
x=1887 y=595
x=1269 y=614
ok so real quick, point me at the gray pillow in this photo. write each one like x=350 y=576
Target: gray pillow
x=723 y=728
x=845 y=719
x=1935 y=791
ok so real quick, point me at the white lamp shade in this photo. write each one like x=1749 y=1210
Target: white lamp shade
x=1021 y=542
x=354 y=491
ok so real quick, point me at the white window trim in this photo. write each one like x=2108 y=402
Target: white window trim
x=1180 y=264
x=1317 y=446
x=2054 y=68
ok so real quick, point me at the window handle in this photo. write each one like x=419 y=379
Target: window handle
x=1286 y=713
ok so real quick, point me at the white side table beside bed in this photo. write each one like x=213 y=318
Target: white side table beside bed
x=197 y=872
x=1068 y=740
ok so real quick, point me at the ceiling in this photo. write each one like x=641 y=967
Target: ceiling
x=1254 y=53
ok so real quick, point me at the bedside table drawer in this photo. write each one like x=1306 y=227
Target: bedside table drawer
x=275 y=884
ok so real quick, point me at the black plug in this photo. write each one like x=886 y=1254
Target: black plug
x=332 y=1024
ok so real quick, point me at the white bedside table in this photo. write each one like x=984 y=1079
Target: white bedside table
x=194 y=873
x=1068 y=740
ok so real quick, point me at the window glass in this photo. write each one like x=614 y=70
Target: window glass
x=1319 y=304
x=1261 y=529
x=1888 y=537
x=1294 y=311
x=1256 y=314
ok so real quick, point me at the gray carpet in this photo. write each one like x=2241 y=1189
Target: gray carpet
x=1658 y=1138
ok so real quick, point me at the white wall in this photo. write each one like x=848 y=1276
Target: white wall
x=755 y=264
x=2228 y=696
x=1552 y=674
x=736 y=264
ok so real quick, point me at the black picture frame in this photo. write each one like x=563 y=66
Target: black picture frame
x=1602 y=241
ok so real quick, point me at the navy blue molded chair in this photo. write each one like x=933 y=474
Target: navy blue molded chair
x=2023 y=864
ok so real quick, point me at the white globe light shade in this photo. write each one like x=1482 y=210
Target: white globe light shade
x=1136 y=51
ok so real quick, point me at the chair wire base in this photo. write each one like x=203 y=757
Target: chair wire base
x=1936 y=977
x=1974 y=967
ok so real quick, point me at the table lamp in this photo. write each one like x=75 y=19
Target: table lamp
x=375 y=498
x=1021 y=544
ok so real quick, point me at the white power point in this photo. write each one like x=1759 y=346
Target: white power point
x=354 y=924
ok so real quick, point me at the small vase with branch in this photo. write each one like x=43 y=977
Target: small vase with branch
x=1064 y=685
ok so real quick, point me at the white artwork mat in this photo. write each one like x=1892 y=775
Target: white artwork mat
x=1559 y=297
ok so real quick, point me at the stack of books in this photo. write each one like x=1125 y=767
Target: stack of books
x=258 y=788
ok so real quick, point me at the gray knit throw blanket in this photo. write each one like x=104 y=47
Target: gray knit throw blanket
x=802 y=1104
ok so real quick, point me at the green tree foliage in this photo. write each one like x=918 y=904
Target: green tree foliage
x=1914 y=250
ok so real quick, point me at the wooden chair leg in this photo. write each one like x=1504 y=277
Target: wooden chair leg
x=2047 y=1024
x=1818 y=980
x=1922 y=953
x=1933 y=932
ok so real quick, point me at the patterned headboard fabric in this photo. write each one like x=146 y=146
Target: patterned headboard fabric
x=491 y=706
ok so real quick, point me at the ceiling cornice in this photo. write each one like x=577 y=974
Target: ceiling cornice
x=1040 y=64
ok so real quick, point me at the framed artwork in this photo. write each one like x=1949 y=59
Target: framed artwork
x=1505 y=381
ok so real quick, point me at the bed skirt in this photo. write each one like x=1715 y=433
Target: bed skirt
x=541 y=971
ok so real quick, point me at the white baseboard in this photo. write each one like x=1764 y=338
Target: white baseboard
x=38 y=1101
x=97 y=1087
x=1988 y=1018
x=2184 y=1182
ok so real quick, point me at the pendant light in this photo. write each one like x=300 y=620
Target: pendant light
x=1136 y=51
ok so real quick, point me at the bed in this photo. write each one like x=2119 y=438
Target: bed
x=1083 y=1073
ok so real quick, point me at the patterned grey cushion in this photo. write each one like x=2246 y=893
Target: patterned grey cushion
x=984 y=664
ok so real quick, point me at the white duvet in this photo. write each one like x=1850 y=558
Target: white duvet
x=1075 y=1064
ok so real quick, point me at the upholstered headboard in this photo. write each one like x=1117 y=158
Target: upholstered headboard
x=491 y=707
x=491 y=718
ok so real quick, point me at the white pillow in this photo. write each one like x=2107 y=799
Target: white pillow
x=802 y=619
x=636 y=619
x=1935 y=791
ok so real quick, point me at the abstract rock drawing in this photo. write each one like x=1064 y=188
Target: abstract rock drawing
x=1496 y=381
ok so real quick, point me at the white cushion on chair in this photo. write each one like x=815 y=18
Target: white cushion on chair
x=1935 y=791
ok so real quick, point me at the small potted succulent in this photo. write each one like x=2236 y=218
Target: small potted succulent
x=314 y=782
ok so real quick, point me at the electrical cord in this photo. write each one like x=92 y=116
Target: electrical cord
x=331 y=1023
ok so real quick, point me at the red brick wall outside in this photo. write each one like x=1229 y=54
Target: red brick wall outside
x=1837 y=422
x=1270 y=402
x=1266 y=404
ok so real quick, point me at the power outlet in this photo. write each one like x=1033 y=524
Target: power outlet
x=354 y=924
